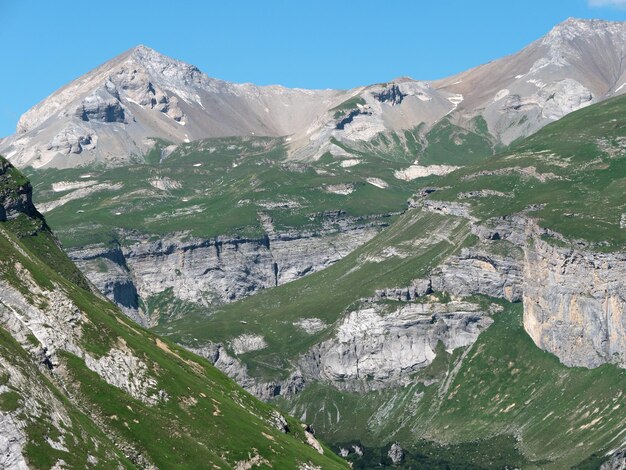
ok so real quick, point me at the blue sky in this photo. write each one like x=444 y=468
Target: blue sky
x=315 y=44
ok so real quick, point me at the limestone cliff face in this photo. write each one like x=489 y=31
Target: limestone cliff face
x=209 y=272
x=373 y=347
x=477 y=271
x=574 y=303
x=574 y=298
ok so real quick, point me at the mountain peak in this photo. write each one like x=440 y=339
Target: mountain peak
x=158 y=62
x=573 y=28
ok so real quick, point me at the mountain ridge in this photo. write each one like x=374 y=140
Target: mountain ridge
x=113 y=113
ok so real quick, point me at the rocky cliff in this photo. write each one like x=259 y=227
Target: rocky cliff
x=574 y=303
x=381 y=345
x=207 y=273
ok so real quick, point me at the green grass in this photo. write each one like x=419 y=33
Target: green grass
x=452 y=145
x=506 y=388
x=79 y=435
x=582 y=177
x=9 y=401
x=347 y=105
x=219 y=188
x=326 y=294
x=206 y=419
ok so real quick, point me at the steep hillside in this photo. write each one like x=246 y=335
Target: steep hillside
x=81 y=386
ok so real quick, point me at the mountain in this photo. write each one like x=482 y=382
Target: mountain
x=432 y=274
x=483 y=327
x=81 y=386
x=579 y=62
x=111 y=113
x=114 y=113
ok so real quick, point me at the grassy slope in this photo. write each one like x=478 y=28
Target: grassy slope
x=186 y=431
x=584 y=199
x=505 y=386
x=224 y=183
x=420 y=240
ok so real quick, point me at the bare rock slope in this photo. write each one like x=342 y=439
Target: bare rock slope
x=113 y=113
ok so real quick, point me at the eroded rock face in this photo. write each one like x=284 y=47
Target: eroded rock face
x=574 y=299
x=616 y=462
x=374 y=348
x=396 y=454
x=209 y=272
x=73 y=139
x=99 y=107
x=26 y=317
x=476 y=271
x=392 y=95
x=575 y=304
x=15 y=197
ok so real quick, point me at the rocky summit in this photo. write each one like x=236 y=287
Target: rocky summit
x=113 y=113
x=409 y=274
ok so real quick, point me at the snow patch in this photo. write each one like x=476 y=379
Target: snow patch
x=456 y=99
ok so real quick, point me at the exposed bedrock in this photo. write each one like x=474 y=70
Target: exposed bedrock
x=210 y=272
x=374 y=348
x=574 y=303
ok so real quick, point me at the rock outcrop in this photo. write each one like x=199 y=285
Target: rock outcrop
x=395 y=453
x=575 y=303
x=380 y=346
x=477 y=271
x=16 y=193
x=616 y=462
x=211 y=272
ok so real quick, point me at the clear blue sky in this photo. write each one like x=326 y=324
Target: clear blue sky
x=314 y=44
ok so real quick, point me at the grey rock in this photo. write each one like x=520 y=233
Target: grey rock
x=212 y=272
x=374 y=348
x=616 y=462
x=575 y=303
x=481 y=272
x=15 y=198
x=235 y=369
x=395 y=453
